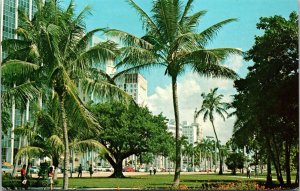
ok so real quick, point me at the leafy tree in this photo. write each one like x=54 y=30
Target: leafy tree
x=212 y=104
x=172 y=42
x=267 y=100
x=234 y=161
x=128 y=130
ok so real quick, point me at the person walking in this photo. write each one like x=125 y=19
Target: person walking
x=91 y=171
x=154 y=171
x=23 y=177
x=249 y=171
x=80 y=171
x=50 y=177
x=150 y=170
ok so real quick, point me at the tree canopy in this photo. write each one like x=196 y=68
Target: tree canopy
x=128 y=130
x=267 y=105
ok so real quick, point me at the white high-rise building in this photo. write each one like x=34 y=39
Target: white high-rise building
x=191 y=132
x=172 y=127
x=136 y=86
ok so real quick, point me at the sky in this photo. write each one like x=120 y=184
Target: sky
x=118 y=14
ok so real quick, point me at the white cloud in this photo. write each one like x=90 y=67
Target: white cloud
x=234 y=62
x=189 y=98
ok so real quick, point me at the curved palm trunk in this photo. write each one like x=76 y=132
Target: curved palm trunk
x=177 y=136
x=218 y=146
x=66 y=143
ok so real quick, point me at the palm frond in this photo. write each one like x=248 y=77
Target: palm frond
x=18 y=69
x=187 y=8
x=166 y=15
x=209 y=33
x=148 y=23
x=191 y=22
x=23 y=92
x=128 y=39
x=136 y=55
x=55 y=142
x=101 y=52
x=102 y=90
x=81 y=116
x=89 y=144
x=30 y=151
x=220 y=112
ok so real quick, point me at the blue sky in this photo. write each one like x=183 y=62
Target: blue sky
x=118 y=14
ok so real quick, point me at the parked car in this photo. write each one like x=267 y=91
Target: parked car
x=34 y=170
x=7 y=169
x=128 y=169
x=142 y=170
x=104 y=169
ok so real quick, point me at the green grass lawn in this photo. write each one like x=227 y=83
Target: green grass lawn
x=157 y=181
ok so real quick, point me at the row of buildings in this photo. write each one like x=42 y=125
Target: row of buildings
x=133 y=83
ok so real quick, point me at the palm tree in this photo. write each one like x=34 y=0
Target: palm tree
x=54 y=42
x=171 y=41
x=212 y=104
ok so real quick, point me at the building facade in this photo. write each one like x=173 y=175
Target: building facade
x=136 y=86
x=8 y=24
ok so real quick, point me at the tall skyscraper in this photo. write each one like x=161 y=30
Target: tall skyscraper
x=8 y=24
x=9 y=17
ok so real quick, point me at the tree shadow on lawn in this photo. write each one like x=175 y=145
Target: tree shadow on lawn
x=209 y=181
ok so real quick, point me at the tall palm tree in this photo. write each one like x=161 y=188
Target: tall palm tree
x=55 y=44
x=172 y=42
x=212 y=104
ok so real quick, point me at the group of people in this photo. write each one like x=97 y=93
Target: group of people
x=25 y=182
x=80 y=171
x=151 y=169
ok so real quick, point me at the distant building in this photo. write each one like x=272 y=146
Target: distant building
x=193 y=131
x=172 y=128
x=136 y=86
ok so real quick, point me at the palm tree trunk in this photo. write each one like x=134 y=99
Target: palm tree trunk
x=218 y=146
x=177 y=136
x=12 y=134
x=66 y=143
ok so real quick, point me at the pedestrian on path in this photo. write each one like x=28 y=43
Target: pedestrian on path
x=91 y=171
x=150 y=170
x=154 y=171
x=50 y=177
x=249 y=171
x=80 y=171
x=24 y=180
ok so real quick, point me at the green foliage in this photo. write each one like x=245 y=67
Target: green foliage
x=267 y=100
x=234 y=161
x=128 y=130
x=136 y=128
x=6 y=122
x=44 y=169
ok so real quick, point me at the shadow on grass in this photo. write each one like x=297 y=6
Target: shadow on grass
x=210 y=181
x=93 y=178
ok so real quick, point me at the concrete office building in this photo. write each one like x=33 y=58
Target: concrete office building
x=136 y=86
